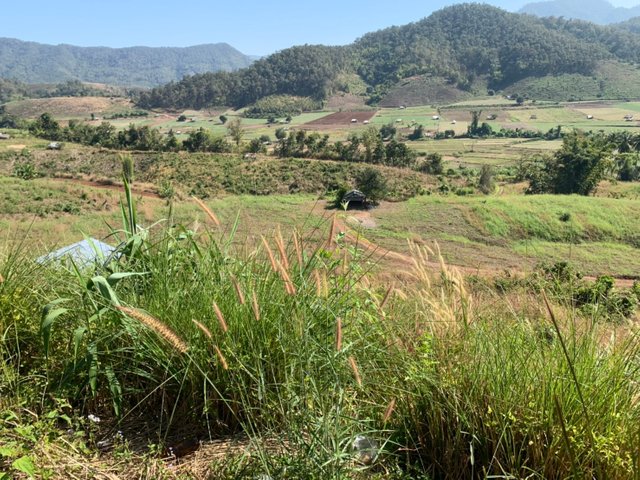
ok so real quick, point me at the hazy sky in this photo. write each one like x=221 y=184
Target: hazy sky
x=253 y=27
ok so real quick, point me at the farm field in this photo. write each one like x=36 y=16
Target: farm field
x=506 y=232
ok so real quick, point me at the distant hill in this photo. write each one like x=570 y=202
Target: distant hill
x=452 y=53
x=31 y=62
x=596 y=11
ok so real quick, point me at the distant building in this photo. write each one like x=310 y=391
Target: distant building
x=355 y=198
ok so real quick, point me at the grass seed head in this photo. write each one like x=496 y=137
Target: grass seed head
x=156 y=325
x=238 y=289
x=272 y=259
x=255 y=306
x=203 y=328
x=207 y=210
x=389 y=411
x=223 y=361
x=355 y=370
x=220 y=317
x=281 y=250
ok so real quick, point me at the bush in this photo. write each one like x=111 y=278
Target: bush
x=373 y=184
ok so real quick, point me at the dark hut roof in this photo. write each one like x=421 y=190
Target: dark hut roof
x=354 y=196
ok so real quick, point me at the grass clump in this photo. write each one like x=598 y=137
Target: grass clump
x=290 y=345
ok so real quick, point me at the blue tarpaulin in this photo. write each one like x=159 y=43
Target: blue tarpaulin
x=82 y=254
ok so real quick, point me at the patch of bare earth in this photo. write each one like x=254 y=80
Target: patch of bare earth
x=342 y=118
x=345 y=101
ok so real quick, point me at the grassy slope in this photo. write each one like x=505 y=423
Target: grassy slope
x=517 y=231
x=510 y=231
x=317 y=366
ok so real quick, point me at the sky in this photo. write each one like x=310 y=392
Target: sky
x=254 y=27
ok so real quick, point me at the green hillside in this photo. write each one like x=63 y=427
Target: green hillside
x=450 y=52
x=135 y=66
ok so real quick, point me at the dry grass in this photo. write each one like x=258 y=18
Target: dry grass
x=157 y=326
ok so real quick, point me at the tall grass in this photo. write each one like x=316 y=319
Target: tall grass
x=290 y=344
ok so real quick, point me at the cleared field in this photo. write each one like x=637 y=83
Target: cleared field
x=492 y=151
x=66 y=108
x=342 y=118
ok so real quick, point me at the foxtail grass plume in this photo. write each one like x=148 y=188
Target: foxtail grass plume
x=338 y=334
x=322 y=287
x=332 y=232
x=223 y=361
x=281 y=250
x=239 y=293
x=220 y=317
x=298 y=248
x=255 y=306
x=389 y=411
x=354 y=369
x=272 y=259
x=203 y=328
x=156 y=325
x=288 y=284
x=207 y=210
x=386 y=297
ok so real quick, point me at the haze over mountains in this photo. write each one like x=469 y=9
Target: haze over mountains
x=32 y=62
x=596 y=11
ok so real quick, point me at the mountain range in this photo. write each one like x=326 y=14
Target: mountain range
x=596 y=11
x=471 y=48
x=32 y=62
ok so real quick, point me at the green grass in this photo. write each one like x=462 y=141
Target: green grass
x=601 y=257
x=500 y=232
x=528 y=392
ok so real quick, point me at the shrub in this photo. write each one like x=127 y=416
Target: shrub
x=372 y=183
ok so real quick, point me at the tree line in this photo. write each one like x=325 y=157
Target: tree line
x=582 y=162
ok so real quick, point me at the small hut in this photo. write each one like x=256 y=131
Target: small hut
x=355 y=199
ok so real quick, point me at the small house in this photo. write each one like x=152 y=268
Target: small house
x=355 y=198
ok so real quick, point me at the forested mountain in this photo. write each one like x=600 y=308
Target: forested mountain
x=135 y=66
x=459 y=44
x=632 y=25
x=596 y=11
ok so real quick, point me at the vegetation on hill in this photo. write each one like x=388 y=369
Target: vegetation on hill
x=582 y=162
x=11 y=90
x=463 y=45
x=135 y=66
